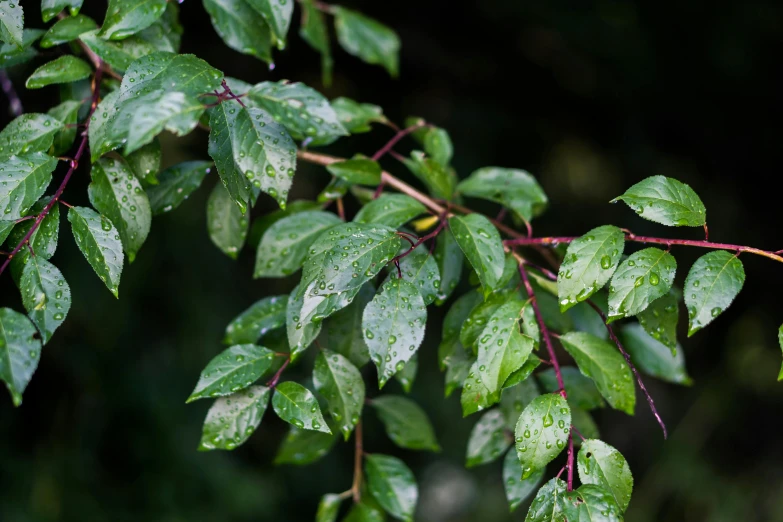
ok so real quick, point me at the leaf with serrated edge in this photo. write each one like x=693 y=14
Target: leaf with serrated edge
x=518 y=489
x=20 y=352
x=713 y=282
x=392 y=484
x=407 y=425
x=176 y=184
x=235 y=368
x=602 y=465
x=639 y=280
x=550 y=503
x=341 y=384
x=45 y=294
x=660 y=320
x=297 y=405
x=30 y=132
x=473 y=325
x=367 y=39
x=512 y=188
x=226 y=225
x=392 y=210
x=581 y=390
x=99 y=241
x=652 y=357
x=176 y=112
x=487 y=440
x=301 y=332
x=301 y=447
x=480 y=241
x=25 y=179
x=665 y=201
x=232 y=419
x=252 y=324
x=542 y=432
x=502 y=349
x=126 y=17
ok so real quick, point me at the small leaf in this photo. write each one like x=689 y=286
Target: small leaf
x=439 y=180
x=19 y=352
x=475 y=395
x=392 y=484
x=145 y=163
x=226 y=225
x=126 y=17
x=361 y=171
x=448 y=257
x=602 y=465
x=51 y=8
x=241 y=27
x=367 y=39
x=341 y=384
x=437 y=145
x=407 y=425
x=592 y=503
x=234 y=369
x=301 y=447
x=343 y=330
x=25 y=179
x=301 y=331
x=488 y=440
x=713 y=282
x=480 y=241
x=518 y=489
x=588 y=265
x=502 y=349
x=526 y=370
x=315 y=32
x=362 y=512
x=99 y=241
x=581 y=390
x=297 y=405
x=232 y=419
x=550 y=503
x=119 y=54
x=45 y=294
x=602 y=362
x=277 y=14
x=66 y=113
x=512 y=188
x=514 y=400
x=652 y=357
x=418 y=267
x=665 y=201
x=65 y=69
x=28 y=133
x=356 y=117
x=328 y=508
x=252 y=324
x=67 y=29
x=11 y=22
x=478 y=318
x=639 y=280
x=11 y=54
x=660 y=320
x=392 y=210
x=393 y=325
x=542 y=432
x=176 y=184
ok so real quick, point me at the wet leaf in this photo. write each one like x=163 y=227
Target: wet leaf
x=65 y=69
x=513 y=188
x=367 y=39
x=252 y=324
x=45 y=294
x=392 y=210
x=652 y=357
x=639 y=280
x=713 y=282
x=518 y=489
x=665 y=201
x=234 y=369
x=392 y=484
x=542 y=432
x=20 y=352
x=407 y=425
x=341 y=384
x=480 y=241
x=99 y=241
x=232 y=419
x=301 y=447
x=581 y=390
x=176 y=184
x=488 y=439
x=226 y=225
x=297 y=405
x=602 y=465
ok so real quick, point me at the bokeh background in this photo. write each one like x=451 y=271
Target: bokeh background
x=591 y=97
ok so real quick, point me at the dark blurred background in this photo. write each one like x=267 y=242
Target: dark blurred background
x=591 y=97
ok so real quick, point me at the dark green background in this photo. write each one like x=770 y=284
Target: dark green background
x=590 y=97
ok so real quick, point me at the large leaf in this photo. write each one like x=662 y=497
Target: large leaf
x=342 y=386
x=232 y=419
x=660 y=319
x=301 y=446
x=480 y=241
x=45 y=294
x=126 y=17
x=713 y=282
x=419 y=267
x=448 y=257
x=11 y=22
x=601 y=361
x=65 y=69
x=393 y=325
x=342 y=332
x=665 y=201
x=550 y=503
x=488 y=439
x=51 y=8
x=226 y=225
x=639 y=280
x=297 y=405
x=502 y=349
x=67 y=29
x=512 y=188
x=367 y=39
x=99 y=241
x=392 y=210
x=652 y=357
x=392 y=484
x=25 y=179
x=241 y=27
x=542 y=432
x=581 y=390
x=28 y=133
x=176 y=184
x=602 y=465
x=235 y=368
x=406 y=423
x=252 y=324
x=356 y=117
x=20 y=351
x=588 y=265
x=517 y=488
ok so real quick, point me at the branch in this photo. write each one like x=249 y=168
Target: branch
x=397 y=137
x=356 y=486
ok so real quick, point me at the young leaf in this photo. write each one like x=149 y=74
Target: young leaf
x=665 y=201
x=407 y=425
x=67 y=29
x=588 y=265
x=602 y=362
x=66 y=113
x=367 y=39
x=550 y=503
x=392 y=484
x=480 y=241
x=252 y=324
x=660 y=320
x=513 y=401
x=439 y=180
x=241 y=27
x=176 y=184
x=99 y=241
x=11 y=22
x=602 y=465
x=65 y=69
x=713 y=282
x=437 y=145
x=277 y=14
x=301 y=446
x=20 y=351
x=639 y=280
x=359 y=170
x=518 y=489
x=407 y=375
x=448 y=257
x=488 y=439
x=581 y=390
x=51 y=8
x=343 y=330
x=419 y=267
x=542 y=432
x=315 y=32
x=25 y=179
x=232 y=419
x=117 y=194
x=512 y=188
x=233 y=369
x=284 y=245
x=652 y=357
x=297 y=405
x=45 y=294
x=356 y=117
x=592 y=503
x=126 y=17
x=226 y=225
x=28 y=133
x=328 y=508
x=393 y=325
x=502 y=349
x=342 y=386
x=392 y=210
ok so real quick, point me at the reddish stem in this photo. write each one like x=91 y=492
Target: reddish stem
x=397 y=137
x=340 y=209
x=356 y=487
x=570 y=464
x=421 y=240
x=276 y=377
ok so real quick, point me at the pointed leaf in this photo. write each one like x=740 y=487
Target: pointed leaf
x=45 y=294
x=660 y=320
x=226 y=225
x=542 y=432
x=19 y=352
x=11 y=22
x=581 y=390
x=28 y=133
x=448 y=257
x=232 y=419
x=65 y=69
x=488 y=440
x=297 y=405
x=235 y=368
x=277 y=14
x=502 y=349
x=343 y=330
x=252 y=324
x=392 y=210
x=513 y=401
x=342 y=386
x=99 y=241
x=356 y=117
x=550 y=503
x=328 y=508
x=359 y=170
x=517 y=488
x=665 y=201
x=439 y=180
x=407 y=425
x=419 y=267
x=473 y=325
x=301 y=332
x=315 y=32
x=67 y=29
x=592 y=503
x=602 y=465
x=51 y=8
x=367 y=39
x=5 y=228
x=392 y=484
x=176 y=184
x=513 y=188
x=475 y=395
x=25 y=179
x=639 y=280
x=459 y=312
x=713 y=282
x=480 y=241
x=241 y=27
x=301 y=446
x=176 y=112
x=126 y=17
x=11 y=54
x=652 y=357
x=526 y=370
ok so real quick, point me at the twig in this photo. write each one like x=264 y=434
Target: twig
x=570 y=464
x=356 y=486
x=340 y=209
x=276 y=377
x=397 y=137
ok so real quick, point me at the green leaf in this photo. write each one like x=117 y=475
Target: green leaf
x=529 y=320
x=315 y=32
x=226 y=225
x=166 y=32
x=488 y=439
x=473 y=325
x=361 y=170
x=11 y=54
x=119 y=54
x=232 y=419
x=588 y=265
x=512 y=188
x=20 y=351
x=28 y=133
x=367 y=39
x=592 y=503
x=407 y=375
x=481 y=244
x=713 y=282
x=51 y=8
x=45 y=294
x=392 y=484
x=437 y=145
x=99 y=241
x=502 y=349
x=341 y=384
x=5 y=228
x=252 y=324
x=65 y=69
x=653 y=357
x=145 y=163
x=439 y=180
x=342 y=331
x=277 y=14
x=458 y=314
x=284 y=245
x=550 y=503
x=601 y=361
x=176 y=184
x=407 y=425
x=458 y=364
x=66 y=113
x=475 y=395
x=11 y=22
x=639 y=280
x=235 y=368
x=336 y=189
x=602 y=465
x=117 y=194
x=660 y=320
x=526 y=370
x=301 y=331
x=303 y=446
x=392 y=210
x=303 y=111
x=542 y=432
x=297 y=405
x=581 y=390
x=241 y=27
x=67 y=29
x=419 y=267
x=780 y=342
x=393 y=325
x=665 y=201
x=356 y=117
x=517 y=488
x=514 y=400
x=43 y=240
x=127 y=17
x=175 y=112
x=252 y=152
x=363 y=512
x=328 y=508
x=448 y=257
